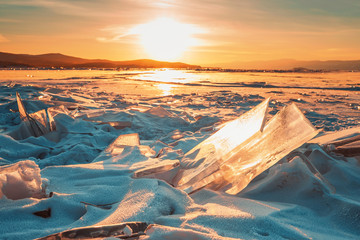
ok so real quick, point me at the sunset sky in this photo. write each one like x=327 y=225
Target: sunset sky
x=198 y=32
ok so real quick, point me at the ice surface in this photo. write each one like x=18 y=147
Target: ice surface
x=286 y=131
x=199 y=162
x=21 y=180
x=286 y=201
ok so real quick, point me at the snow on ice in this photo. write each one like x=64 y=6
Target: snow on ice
x=214 y=165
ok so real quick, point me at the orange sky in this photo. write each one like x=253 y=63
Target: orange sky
x=198 y=32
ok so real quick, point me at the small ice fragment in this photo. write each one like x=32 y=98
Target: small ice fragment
x=350 y=148
x=123 y=230
x=345 y=142
x=107 y=206
x=21 y=180
x=119 y=144
x=116 y=147
x=205 y=158
x=114 y=124
x=127 y=231
x=160 y=167
x=338 y=136
x=94 y=113
x=119 y=124
x=159 y=111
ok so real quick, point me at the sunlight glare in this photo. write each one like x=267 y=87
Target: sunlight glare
x=168 y=75
x=166 y=39
x=165 y=88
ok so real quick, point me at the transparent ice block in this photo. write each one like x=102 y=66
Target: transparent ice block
x=286 y=131
x=205 y=158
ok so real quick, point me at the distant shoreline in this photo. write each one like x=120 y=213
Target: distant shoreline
x=204 y=69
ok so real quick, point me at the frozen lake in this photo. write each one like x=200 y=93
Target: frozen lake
x=76 y=176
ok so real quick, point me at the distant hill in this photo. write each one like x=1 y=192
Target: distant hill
x=290 y=64
x=60 y=60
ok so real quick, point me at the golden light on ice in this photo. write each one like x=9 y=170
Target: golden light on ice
x=166 y=39
x=165 y=88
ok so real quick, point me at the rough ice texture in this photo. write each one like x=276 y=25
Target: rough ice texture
x=20 y=180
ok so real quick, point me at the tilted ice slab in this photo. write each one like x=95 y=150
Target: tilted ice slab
x=286 y=131
x=200 y=161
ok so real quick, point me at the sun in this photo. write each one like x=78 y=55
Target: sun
x=166 y=39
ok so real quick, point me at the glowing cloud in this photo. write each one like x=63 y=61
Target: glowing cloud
x=3 y=39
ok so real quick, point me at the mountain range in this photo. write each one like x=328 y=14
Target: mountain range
x=291 y=64
x=59 y=60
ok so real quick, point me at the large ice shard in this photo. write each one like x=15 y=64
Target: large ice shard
x=38 y=123
x=35 y=128
x=286 y=131
x=201 y=160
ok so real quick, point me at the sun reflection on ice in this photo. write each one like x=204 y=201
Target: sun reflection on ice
x=169 y=75
x=165 y=88
x=166 y=77
x=165 y=80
